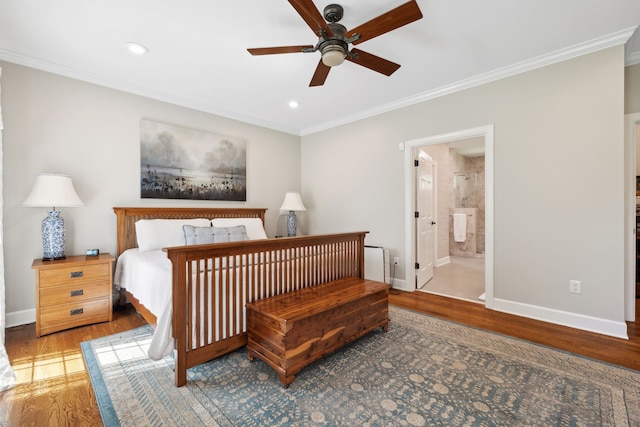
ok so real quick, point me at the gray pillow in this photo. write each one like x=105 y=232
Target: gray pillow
x=204 y=235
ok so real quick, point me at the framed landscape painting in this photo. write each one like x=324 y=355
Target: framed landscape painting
x=182 y=163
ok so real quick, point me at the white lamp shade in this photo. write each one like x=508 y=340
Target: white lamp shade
x=53 y=190
x=292 y=202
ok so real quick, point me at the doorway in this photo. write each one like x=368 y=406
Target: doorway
x=471 y=260
x=458 y=211
x=632 y=170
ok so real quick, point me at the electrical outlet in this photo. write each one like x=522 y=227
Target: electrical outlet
x=575 y=286
x=396 y=260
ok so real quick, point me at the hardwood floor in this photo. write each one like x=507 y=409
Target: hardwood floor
x=613 y=350
x=54 y=387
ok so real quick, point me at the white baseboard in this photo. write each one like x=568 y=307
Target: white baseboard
x=17 y=318
x=400 y=285
x=558 y=317
x=442 y=261
x=564 y=318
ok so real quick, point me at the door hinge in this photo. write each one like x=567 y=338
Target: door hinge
x=417 y=266
x=416 y=214
x=415 y=163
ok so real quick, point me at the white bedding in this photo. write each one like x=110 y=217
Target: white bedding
x=145 y=272
x=147 y=276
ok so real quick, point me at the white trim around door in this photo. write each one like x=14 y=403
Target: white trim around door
x=409 y=190
x=631 y=125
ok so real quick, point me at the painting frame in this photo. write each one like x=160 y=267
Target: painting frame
x=177 y=162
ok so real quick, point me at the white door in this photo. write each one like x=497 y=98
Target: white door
x=425 y=218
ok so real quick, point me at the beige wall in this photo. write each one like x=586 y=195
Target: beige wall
x=558 y=172
x=61 y=125
x=632 y=89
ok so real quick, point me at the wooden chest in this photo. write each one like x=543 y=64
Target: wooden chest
x=292 y=330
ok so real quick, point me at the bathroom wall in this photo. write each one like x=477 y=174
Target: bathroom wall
x=469 y=247
x=476 y=198
x=448 y=161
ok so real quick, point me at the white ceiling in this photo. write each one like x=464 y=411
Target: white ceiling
x=198 y=58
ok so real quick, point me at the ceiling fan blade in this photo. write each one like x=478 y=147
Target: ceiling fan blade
x=311 y=15
x=319 y=77
x=373 y=62
x=395 y=18
x=282 y=49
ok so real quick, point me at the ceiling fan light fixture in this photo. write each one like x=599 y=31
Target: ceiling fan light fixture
x=333 y=55
x=334 y=39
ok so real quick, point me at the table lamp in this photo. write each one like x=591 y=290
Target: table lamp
x=292 y=203
x=53 y=190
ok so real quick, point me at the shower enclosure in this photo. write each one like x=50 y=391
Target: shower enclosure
x=465 y=185
x=468 y=198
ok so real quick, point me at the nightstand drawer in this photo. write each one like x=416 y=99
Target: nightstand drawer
x=78 y=273
x=69 y=315
x=73 y=293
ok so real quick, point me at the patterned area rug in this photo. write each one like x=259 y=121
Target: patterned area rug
x=422 y=372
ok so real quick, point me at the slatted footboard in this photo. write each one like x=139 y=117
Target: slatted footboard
x=213 y=283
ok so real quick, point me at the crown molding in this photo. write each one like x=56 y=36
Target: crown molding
x=574 y=51
x=100 y=80
x=591 y=46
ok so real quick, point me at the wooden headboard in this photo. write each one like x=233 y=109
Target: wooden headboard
x=127 y=217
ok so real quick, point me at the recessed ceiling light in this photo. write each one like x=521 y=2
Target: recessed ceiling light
x=294 y=104
x=137 y=48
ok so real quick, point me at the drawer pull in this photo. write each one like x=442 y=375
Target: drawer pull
x=75 y=274
x=76 y=311
x=77 y=292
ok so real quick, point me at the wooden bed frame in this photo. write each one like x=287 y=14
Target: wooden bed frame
x=249 y=271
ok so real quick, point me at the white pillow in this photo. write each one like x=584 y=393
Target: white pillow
x=255 y=229
x=154 y=234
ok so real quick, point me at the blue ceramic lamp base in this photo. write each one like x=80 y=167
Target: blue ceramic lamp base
x=53 y=237
x=291 y=224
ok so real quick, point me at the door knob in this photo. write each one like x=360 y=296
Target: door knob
x=433 y=223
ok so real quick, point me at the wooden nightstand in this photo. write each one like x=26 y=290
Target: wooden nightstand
x=73 y=292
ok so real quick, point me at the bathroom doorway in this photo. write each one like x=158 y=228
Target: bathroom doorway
x=462 y=203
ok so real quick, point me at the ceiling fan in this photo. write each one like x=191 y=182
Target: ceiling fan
x=334 y=39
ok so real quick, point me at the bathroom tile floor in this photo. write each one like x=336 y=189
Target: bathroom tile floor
x=462 y=278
